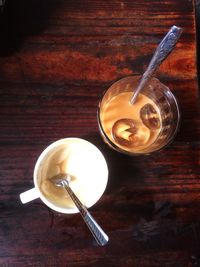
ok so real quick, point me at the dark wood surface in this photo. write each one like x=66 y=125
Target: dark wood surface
x=56 y=59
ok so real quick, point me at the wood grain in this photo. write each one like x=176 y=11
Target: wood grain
x=56 y=59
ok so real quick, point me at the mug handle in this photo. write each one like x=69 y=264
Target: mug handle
x=29 y=195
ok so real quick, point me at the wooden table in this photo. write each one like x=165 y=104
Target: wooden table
x=56 y=59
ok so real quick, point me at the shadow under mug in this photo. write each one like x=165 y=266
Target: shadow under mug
x=83 y=160
x=163 y=99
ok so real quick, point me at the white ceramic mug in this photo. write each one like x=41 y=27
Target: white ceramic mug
x=77 y=157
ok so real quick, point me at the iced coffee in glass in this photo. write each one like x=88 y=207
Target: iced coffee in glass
x=146 y=126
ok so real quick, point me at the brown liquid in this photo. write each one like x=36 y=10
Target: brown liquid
x=124 y=126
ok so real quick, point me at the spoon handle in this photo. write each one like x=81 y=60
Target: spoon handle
x=93 y=226
x=164 y=48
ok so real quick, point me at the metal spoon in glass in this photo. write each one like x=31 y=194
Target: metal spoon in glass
x=63 y=180
x=164 y=48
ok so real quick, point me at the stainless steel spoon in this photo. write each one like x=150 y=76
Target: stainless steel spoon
x=164 y=48
x=99 y=235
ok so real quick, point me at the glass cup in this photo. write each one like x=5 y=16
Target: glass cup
x=74 y=156
x=146 y=126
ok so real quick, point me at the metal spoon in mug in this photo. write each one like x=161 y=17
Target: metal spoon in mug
x=164 y=48
x=100 y=236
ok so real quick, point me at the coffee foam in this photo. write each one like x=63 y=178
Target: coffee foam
x=83 y=161
x=119 y=108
